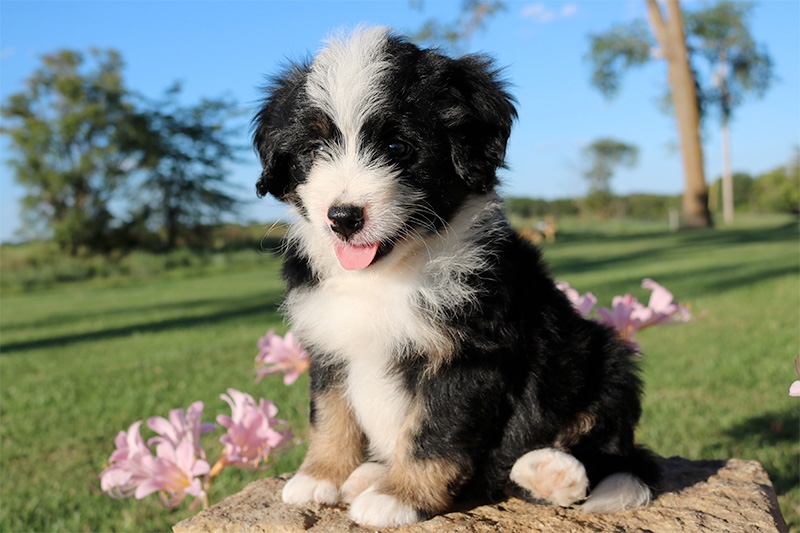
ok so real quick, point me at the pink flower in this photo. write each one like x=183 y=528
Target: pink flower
x=628 y=315
x=582 y=304
x=625 y=316
x=794 y=390
x=251 y=435
x=281 y=354
x=181 y=427
x=661 y=308
x=125 y=470
x=174 y=471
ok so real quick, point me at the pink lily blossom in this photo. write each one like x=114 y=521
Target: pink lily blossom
x=583 y=304
x=661 y=308
x=251 y=435
x=174 y=471
x=627 y=315
x=125 y=470
x=180 y=427
x=281 y=354
x=794 y=389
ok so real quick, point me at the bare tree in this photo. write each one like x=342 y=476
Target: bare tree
x=625 y=46
x=720 y=34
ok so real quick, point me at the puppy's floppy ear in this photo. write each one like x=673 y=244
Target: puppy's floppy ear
x=273 y=130
x=478 y=115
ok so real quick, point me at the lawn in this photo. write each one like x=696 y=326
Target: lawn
x=81 y=361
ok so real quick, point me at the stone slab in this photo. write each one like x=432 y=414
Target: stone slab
x=696 y=496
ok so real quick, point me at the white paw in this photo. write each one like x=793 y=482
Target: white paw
x=551 y=475
x=303 y=489
x=372 y=508
x=361 y=479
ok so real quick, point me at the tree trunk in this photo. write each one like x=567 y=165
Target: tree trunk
x=727 y=176
x=671 y=38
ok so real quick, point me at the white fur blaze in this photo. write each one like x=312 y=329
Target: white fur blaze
x=551 y=475
x=361 y=479
x=616 y=493
x=303 y=489
x=373 y=508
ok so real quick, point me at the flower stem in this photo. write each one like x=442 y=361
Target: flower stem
x=221 y=463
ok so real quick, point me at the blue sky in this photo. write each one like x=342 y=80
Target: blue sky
x=221 y=48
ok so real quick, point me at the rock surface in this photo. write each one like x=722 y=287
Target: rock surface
x=696 y=496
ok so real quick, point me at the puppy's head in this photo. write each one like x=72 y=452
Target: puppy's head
x=377 y=140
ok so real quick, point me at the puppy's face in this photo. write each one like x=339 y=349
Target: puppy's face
x=377 y=142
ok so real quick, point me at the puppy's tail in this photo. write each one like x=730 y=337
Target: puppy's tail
x=625 y=490
x=616 y=493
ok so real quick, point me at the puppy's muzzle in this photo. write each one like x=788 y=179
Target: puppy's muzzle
x=346 y=219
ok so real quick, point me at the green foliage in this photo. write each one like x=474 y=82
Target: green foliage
x=537 y=208
x=472 y=17
x=40 y=265
x=66 y=133
x=183 y=152
x=776 y=191
x=649 y=206
x=719 y=34
x=600 y=159
x=84 y=361
x=81 y=141
x=612 y=53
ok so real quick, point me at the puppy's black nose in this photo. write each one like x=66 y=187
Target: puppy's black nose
x=346 y=219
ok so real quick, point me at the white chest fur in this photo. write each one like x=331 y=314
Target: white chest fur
x=364 y=320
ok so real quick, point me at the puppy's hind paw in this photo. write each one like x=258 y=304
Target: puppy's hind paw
x=551 y=475
x=303 y=489
x=373 y=508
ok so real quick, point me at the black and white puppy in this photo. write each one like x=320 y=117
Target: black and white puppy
x=446 y=365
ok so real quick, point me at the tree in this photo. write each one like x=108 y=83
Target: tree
x=182 y=155
x=777 y=191
x=717 y=34
x=473 y=17
x=612 y=53
x=600 y=159
x=65 y=131
x=720 y=35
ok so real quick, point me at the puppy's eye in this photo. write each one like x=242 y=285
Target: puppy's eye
x=320 y=151
x=400 y=150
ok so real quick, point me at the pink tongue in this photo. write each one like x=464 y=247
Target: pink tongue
x=355 y=257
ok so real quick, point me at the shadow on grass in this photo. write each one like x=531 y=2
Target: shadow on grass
x=267 y=304
x=65 y=319
x=784 y=232
x=768 y=431
x=709 y=274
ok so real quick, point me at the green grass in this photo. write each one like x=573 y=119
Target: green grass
x=82 y=361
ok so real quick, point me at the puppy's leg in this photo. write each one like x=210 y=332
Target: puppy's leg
x=335 y=449
x=551 y=475
x=411 y=489
x=361 y=479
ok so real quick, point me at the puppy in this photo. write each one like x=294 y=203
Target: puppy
x=445 y=364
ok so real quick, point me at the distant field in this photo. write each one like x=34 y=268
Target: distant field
x=81 y=361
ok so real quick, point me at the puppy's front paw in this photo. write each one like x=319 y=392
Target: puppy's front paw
x=361 y=479
x=373 y=508
x=303 y=489
x=551 y=475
